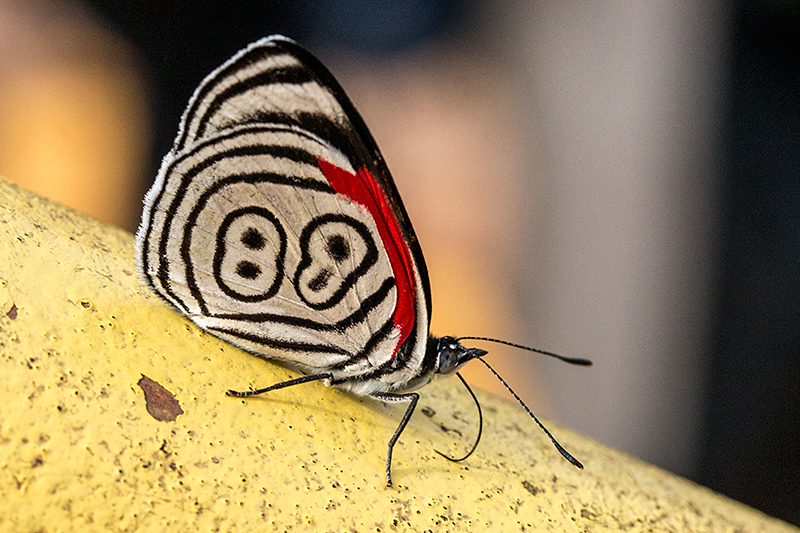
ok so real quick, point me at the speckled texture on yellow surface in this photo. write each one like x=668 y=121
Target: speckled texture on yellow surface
x=79 y=450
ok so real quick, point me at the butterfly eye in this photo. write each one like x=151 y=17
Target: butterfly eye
x=452 y=355
x=448 y=358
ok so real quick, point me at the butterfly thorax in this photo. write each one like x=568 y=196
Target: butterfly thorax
x=443 y=357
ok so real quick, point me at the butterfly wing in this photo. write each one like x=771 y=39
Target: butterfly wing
x=275 y=224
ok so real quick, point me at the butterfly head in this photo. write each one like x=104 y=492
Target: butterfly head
x=452 y=356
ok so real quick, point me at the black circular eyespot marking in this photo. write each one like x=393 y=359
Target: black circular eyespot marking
x=253 y=239
x=249 y=254
x=248 y=270
x=337 y=247
x=320 y=280
x=336 y=251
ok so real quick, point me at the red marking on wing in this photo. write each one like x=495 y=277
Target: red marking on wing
x=365 y=191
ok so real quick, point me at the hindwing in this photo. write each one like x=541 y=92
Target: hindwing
x=275 y=224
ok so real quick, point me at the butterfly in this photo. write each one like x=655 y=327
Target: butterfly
x=274 y=224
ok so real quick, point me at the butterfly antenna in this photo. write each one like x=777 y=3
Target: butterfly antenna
x=571 y=360
x=480 y=424
x=568 y=456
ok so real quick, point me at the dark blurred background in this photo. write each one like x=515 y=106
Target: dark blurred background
x=619 y=182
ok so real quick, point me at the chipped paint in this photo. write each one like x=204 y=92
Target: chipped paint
x=160 y=403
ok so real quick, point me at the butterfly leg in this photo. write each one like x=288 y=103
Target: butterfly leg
x=282 y=385
x=410 y=398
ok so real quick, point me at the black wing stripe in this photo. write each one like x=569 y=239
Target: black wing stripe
x=278 y=344
x=256 y=68
x=367 y=305
x=318 y=124
x=277 y=76
x=358 y=358
x=245 y=61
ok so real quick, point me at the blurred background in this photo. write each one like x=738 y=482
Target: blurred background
x=616 y=180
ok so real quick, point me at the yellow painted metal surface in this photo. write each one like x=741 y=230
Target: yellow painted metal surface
x=81 y=449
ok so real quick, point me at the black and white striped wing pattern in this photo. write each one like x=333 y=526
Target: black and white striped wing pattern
x=275 y=225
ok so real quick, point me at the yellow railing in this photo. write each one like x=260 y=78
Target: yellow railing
x=82 y=449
